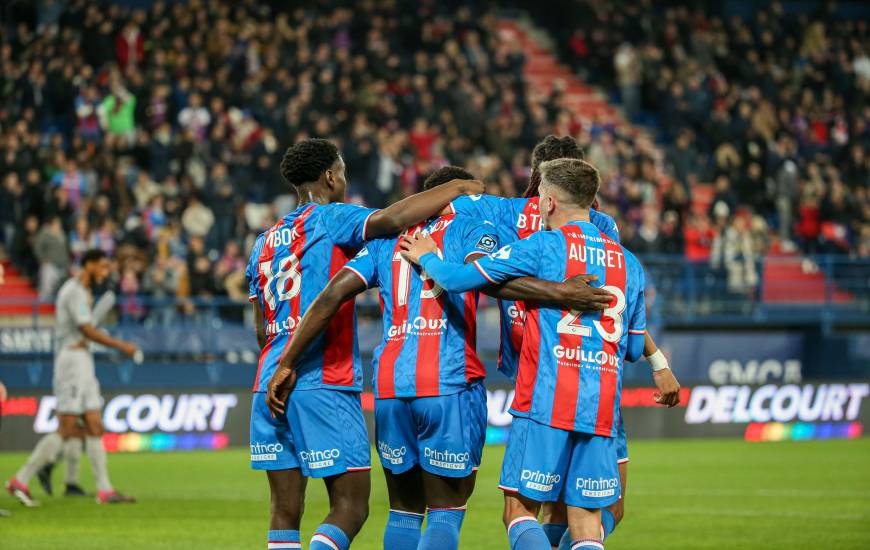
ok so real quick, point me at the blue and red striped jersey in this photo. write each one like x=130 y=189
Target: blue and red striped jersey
x=429 y=343
x=290 y=265
x=570 y=372
x=516 y=219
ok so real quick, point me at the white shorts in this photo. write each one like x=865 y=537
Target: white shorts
x=75 y=383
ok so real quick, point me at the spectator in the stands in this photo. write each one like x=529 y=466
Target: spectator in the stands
x=51 y=252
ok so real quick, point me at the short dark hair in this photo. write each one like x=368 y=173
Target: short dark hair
x=577 y=178
x=93 y=255
x=307 y=160
x=445 y=174
x=551 y=148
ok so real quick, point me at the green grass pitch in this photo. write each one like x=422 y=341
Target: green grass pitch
x=681 y=494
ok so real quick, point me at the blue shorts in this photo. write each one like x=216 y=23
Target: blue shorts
x=323 y=433
x=621 y=441
x=444 y=434
x=548 y=464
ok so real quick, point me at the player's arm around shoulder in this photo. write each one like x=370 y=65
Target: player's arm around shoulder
x=416 y=208
x=576 y=292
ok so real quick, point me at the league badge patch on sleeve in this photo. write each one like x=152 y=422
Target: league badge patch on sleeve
x=487 y=243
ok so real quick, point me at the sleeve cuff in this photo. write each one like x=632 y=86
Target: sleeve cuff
x=635 y=331
x=358 y=274
x=366 y=225
x=484 y=273
x=252 y=298
x=474 y=252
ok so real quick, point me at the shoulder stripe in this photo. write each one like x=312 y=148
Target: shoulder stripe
x=484 y=273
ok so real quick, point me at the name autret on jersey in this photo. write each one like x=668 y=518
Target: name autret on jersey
x=597 y=256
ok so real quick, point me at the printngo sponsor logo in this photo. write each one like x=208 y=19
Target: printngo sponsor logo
x=418 y=324
x=265 y=451
x=540 y=481
x=391 y=455
x=446 y=459
x=601 y=487
x=320 y=459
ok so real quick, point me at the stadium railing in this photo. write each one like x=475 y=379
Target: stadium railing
x=833 y=289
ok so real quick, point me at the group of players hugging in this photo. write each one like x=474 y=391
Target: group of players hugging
x=572 y=310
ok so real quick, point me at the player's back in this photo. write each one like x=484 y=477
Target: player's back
x=571 y=363
x=290 y=264
x=516 y=218
x=429 y=343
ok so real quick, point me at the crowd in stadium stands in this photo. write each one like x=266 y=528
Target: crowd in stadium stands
x=156 y=134
x=774 y=110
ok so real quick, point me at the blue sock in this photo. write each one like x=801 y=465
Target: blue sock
x=442 y=529
x=588 y=544
x=281 y=539
x=525 y=533
x=403 y=530
x=329 y=537
x=554 y=532
x=608 y=522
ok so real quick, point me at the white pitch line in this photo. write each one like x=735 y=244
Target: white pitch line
x=760 y=513
x=801 y=493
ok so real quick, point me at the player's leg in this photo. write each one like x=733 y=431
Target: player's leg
x=396 y=443
x=533 y=471
x=331 y=439
x=612 y=515
x=106 y=494
x=272 y=449
x=93 y=426
x=446 y=499
x=73 y=447
x=554 y=522
x=451 y=431
x=594 y=485
x=585 y=527
x=407 y=509
x=70 y=405
x=348 y=510
x=287 y=504
x=46 y=451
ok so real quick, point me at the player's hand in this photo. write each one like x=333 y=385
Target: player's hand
x=280 y=385
x=669 y=388
x=416 y=246
x=129 y=349
x=3 y=393
x=579 y=296
x=469 y=187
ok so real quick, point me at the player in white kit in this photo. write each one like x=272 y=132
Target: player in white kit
x=75 y=384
